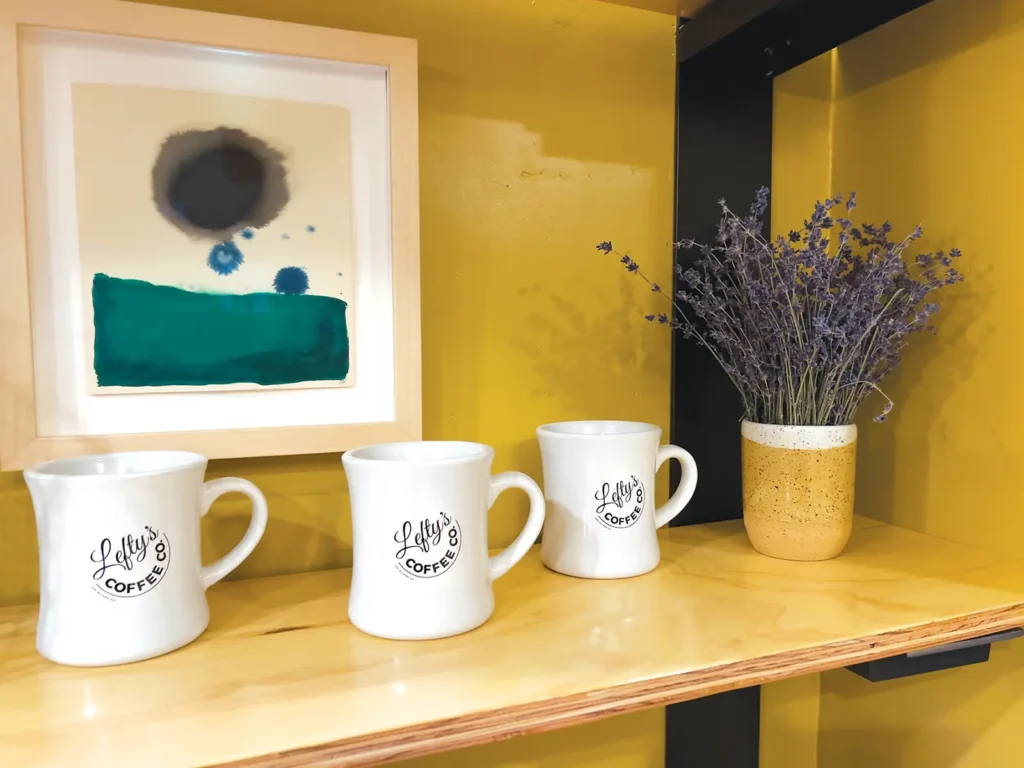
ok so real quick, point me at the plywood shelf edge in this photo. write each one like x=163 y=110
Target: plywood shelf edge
x=282 y=680
x=457 y=733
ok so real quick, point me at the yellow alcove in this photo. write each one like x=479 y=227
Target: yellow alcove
x=920 y=118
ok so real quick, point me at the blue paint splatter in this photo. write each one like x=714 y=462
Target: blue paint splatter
x=225 y=258
x=291 y=281
x=310 y=228
x=248 y=234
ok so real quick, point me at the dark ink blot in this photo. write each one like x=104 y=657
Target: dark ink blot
x=218 y=188
x=225 y=258
x=286 y=236
x=292 y=281
x=310 y=228
x=248 y=234
x=215 y=184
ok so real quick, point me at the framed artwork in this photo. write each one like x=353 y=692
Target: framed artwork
x=209 y=233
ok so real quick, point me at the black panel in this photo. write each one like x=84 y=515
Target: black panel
x=767 y=37
x=714 y=732
x=724 y=149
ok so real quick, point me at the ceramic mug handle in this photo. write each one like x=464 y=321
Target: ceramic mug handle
x=503 y=561
x=211 y=574
x=687 y=483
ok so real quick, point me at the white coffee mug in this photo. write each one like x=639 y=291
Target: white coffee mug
x=599 y=487
x=420 y=564
x=119 y=558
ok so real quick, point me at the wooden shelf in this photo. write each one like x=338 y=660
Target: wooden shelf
x=282 y=679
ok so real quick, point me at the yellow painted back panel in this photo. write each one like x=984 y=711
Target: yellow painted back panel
x=928 y=128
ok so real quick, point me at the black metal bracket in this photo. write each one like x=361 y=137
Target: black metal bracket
x=949 y=656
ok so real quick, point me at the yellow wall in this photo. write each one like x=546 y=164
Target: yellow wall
x=928 y=128
x=545 y=127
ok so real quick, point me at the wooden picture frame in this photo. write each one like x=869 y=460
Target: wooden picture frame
x=22 y=443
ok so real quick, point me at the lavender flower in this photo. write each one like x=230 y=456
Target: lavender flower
x=806 y=326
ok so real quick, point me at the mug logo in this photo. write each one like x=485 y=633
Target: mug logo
x=430 y=549
x=621 y=505
x=133 y=566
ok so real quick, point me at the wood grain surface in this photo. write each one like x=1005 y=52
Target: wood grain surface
x=281 y=679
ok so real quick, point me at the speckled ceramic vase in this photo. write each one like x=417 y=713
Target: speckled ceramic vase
x=798 y=489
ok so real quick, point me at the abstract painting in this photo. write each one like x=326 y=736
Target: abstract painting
x=216 y=239
x=211 y=234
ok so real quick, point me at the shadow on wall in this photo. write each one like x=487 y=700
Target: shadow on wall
x=308 y=529
x=512 y=235
x=949 y=355
x=896 y=120
x=593 y=366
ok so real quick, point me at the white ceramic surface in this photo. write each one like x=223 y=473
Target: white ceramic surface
x=420 y=565
x=119 y=555
x=599 y=487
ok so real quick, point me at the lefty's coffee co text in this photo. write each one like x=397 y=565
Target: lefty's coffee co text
x=429 y=549
x=621 y=505
x=132 y=565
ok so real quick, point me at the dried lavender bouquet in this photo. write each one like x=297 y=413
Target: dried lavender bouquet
x=805 y=326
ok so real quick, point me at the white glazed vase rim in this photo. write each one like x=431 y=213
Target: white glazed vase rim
x=799 y=437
